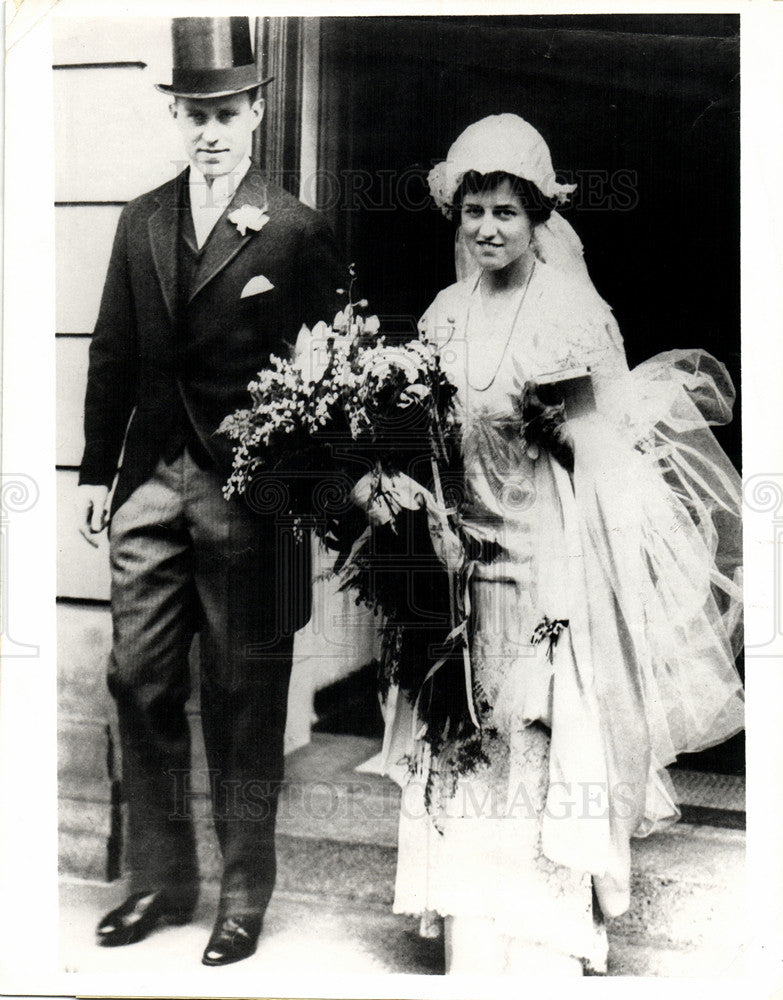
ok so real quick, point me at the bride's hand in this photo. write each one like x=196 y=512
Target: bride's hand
x=546 y=427
x=368 y=495
x=561 y=446
x=382 y=496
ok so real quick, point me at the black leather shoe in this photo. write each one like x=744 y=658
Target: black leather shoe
x=233 y=938
x=139 y=914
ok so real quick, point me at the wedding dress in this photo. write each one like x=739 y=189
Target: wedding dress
x=636 y=555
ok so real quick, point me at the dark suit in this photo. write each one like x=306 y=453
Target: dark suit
x=138 y=360
x=173 y=351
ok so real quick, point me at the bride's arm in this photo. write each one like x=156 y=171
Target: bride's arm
x=584 y=334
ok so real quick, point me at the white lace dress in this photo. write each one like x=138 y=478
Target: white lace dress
x=637 y=552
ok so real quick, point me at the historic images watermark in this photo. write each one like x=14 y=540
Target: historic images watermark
x=358 y=802
x=763 y=519
x=19 y=493
x=390 y=190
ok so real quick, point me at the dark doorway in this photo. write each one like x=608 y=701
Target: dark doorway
x=642 y=111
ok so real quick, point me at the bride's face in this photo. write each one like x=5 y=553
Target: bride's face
x=496 y=227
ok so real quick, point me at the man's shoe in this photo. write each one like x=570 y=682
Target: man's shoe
x=233 y=938
x=138 y=915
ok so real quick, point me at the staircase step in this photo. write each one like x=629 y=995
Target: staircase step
x=686 y=886
x=303 y=936
x=338 y=829
x=337 y=839
x=654 y=958
x=337 y=938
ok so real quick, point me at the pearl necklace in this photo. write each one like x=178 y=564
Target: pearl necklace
x=483 y=388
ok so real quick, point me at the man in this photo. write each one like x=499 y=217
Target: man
x=209 y=274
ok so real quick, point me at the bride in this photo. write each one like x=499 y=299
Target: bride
x=603 y=631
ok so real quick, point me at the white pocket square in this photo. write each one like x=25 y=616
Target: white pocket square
x=256 y=286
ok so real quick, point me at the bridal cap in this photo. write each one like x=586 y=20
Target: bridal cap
x=499 y=142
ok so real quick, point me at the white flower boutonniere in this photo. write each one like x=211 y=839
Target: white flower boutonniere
x=249 y=217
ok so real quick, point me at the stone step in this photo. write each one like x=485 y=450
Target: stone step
x=686 y=886
x=337 y=837
x=302 y=934
x=337 y=937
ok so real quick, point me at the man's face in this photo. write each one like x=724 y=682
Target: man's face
x=217 y=131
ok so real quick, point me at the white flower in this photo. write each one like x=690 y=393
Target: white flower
x=312 y=351
x=372 y=324
x=249 y=217
x=381 y=363
x=413 y=392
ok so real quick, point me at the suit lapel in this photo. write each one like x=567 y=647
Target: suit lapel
x=225 y=240
x=162 y=227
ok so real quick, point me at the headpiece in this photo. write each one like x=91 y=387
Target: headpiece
x=213 y=57
x=499 y=142
x=510 y=144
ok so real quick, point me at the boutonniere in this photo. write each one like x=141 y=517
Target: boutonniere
x=249 y=217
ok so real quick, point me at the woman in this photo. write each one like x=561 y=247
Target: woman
x=603 y=626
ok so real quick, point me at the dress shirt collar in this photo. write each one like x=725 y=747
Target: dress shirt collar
x=222 y=191
x=207 y=204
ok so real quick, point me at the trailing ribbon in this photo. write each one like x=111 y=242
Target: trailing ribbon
x=458 y=631
x=383 y=497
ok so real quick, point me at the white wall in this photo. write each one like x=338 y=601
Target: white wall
x=113 y=141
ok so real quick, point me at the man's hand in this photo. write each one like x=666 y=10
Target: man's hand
x=91 y=513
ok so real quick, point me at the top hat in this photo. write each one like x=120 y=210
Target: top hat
x=212 y=58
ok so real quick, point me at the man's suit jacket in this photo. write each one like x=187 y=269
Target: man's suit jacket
x=140 y=364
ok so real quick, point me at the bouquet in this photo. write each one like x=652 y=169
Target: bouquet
x=358 y=435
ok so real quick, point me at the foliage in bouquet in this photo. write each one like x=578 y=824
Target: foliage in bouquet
x=346 y=401
x=379 y=416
